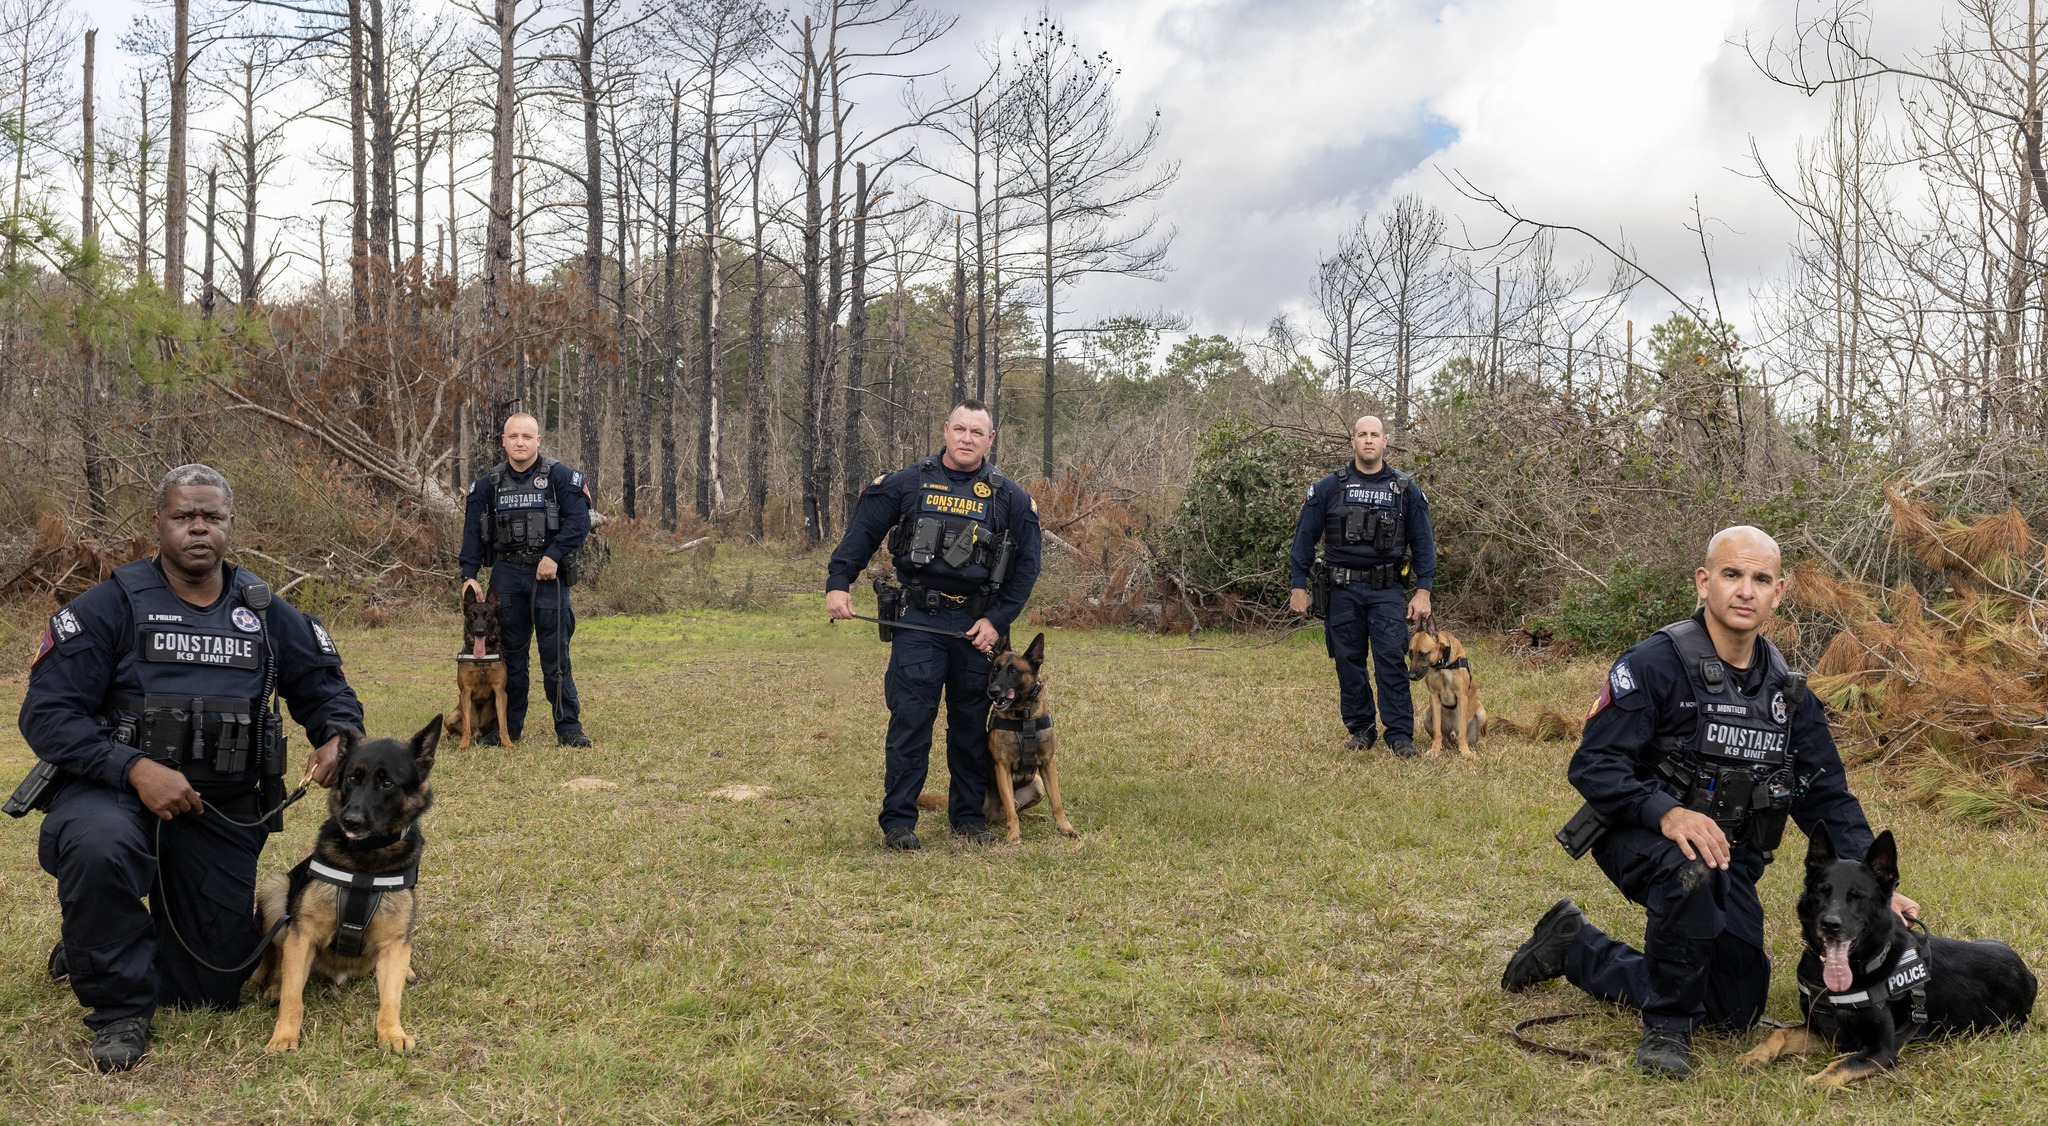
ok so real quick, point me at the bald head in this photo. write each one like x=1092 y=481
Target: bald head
x=1740 y=585
x=1745 y=540
x=1369 y=443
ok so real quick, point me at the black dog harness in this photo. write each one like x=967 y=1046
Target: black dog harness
x=357 y=895
x=1028 y=738
x=1445 y=666
x=1909 y=974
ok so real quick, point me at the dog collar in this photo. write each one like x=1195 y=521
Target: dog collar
x=486 y=659
x=1460 y=663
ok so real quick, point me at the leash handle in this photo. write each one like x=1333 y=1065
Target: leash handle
x=900 y=624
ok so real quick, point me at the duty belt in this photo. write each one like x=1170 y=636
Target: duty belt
x=176 y=730
x=1378 y=578
x=938 y=601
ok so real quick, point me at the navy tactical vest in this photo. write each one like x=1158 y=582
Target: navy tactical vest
x=524 y=510
x=1741 y=749
x=189 y=691
x=1365 y=520
x=947 y=531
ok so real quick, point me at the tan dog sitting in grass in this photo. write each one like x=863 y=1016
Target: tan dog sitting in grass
x=1438 y=657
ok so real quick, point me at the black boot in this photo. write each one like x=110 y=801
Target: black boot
x=1542 y=957
x=901 y=838
x=120 y=1045
x=1665 y=1052
x=60 y=963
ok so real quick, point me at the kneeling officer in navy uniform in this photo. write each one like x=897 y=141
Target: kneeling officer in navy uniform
x=965 y=540
x=150 y=708
x=1702 y=743
x=1373 y=524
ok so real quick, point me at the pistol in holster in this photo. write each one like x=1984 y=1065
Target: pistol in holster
x=35 y=791
x=1582 y=832
x=888 y=607
x=1319 y=589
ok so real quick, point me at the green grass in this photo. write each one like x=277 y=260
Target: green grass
x=1255 y=926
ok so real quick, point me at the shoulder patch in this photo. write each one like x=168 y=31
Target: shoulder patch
x=1034 y=506
x=64 y=625
x=472 y=488
x=575 y=478
x=1621 y=679
x=879 y=478
x=321 y=638
x=1311 y=491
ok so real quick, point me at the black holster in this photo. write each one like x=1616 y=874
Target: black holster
x=35 y=791
x=888 y=607
x=1319 y=589
x=1582 y=832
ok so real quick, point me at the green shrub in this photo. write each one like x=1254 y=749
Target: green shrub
x=1235 y=523
x=1636 y=601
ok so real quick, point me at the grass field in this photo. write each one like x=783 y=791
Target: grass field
x=1255 y=926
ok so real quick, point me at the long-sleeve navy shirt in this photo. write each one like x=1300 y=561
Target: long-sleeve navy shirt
x=81 y=664
x=1308 y=529
x=572 y=495
x=1647 y=697
x=887 y=499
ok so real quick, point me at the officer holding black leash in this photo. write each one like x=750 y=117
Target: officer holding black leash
x=163 y=763
x=1701 y=745
x=1372 y=521
x=525 y=519
x=965 y=541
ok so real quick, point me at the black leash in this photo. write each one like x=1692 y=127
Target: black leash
x=169 y=915
x=1516 y=1033
x=910 y=625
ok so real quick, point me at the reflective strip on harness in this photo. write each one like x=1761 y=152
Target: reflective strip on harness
x=360 y=880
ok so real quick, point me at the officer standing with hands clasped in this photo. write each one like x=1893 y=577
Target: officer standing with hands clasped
x=965 y=541
x=525 y=519
x=1373 y=524
x=1702 y=743
x=162 y=765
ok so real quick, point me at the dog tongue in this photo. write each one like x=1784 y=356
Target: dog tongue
x=476 y=647
x=1834 y=967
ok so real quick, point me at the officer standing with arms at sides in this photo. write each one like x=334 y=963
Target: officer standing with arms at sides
x=1373 y=524
x=965 y=542
x=523 y=519
x=1701 y=743
x=150 y=701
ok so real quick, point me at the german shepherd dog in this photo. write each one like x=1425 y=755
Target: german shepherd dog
x=1863 y=972
x=1438 y=657
x=1021 y=739
x=480 y=670
x=372 y=830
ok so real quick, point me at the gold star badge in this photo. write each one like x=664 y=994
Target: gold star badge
x=981 y=489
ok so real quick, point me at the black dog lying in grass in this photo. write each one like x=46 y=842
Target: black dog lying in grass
x=1869 y=984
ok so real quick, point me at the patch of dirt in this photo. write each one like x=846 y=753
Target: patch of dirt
x=739 y=792
x=589 y=784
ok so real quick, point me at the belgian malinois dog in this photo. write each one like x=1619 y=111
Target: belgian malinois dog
x=1021 y=739
x=372 y=843
x=479 y=670
x=1437 y=656
x=1869 y=985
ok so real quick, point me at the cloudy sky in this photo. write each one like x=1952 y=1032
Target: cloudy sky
x=1291 y=118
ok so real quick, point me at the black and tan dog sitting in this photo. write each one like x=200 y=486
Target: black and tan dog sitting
x=350 y=906
x=1438 y=657
x=1869 y=984
x=479 y=670
x=1021 y=740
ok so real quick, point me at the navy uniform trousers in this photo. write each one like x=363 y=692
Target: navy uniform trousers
x=531 y=610
x=920 y=666
x=1358 y=615
x=101 y=844
x=1696 y=966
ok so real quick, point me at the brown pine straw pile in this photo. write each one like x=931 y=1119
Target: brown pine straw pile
x=1949 y=689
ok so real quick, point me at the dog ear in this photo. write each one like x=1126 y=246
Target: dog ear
x=468 y=595
x=1883 y=860
x=492 y=598
x=1001 y=646
x=423 y=743
x=1035 y=652
x=349 y=737
x=1820 y=848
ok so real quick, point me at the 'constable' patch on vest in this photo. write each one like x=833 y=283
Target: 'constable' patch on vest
x=1369 y=496
x=946 y=504
x=1747 y=744
x=521 y=500
x=181 y=647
